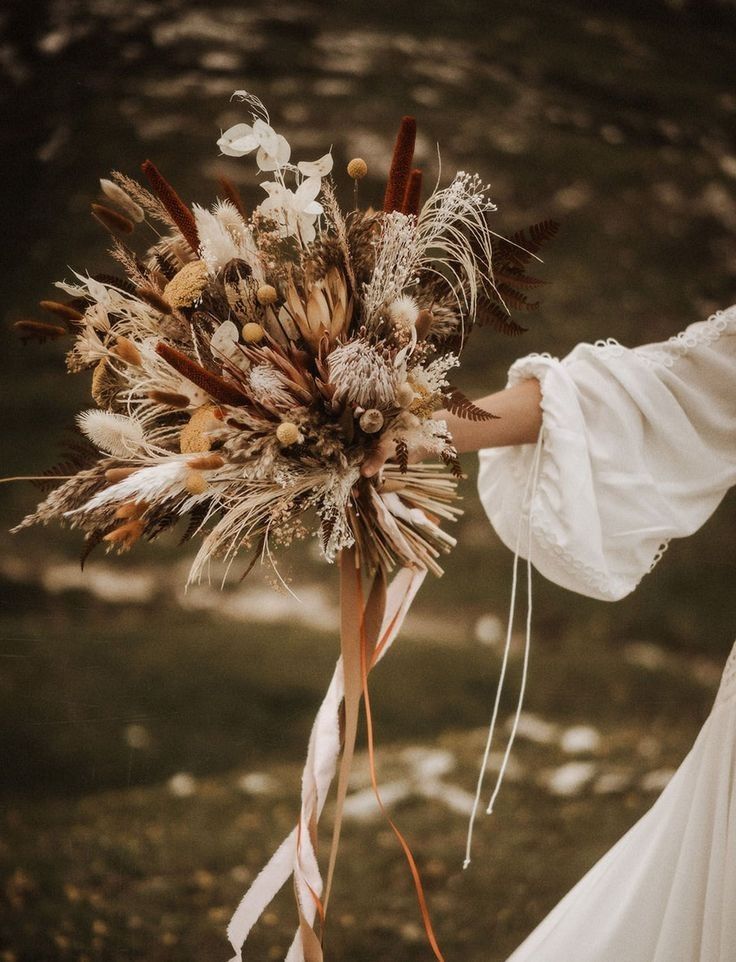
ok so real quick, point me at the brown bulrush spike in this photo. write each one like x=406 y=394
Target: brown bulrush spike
x=111 y=220
x=398 y=176
x=217 y=387
x=413 y=193
x=155 y=300
x=40 y=330
x=232 y=194
x=65 y=311
x=170 y=399
x=177 y=209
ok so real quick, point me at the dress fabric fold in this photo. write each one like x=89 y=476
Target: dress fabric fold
x=638 y=447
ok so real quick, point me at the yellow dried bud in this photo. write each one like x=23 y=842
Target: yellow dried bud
x=267 y=294
x=127 y=534
x=185 y=287
x=357 y=168
x=253 y=333
x=371 y=421
x=195 y=482
x=192 y=439
x=288 y=433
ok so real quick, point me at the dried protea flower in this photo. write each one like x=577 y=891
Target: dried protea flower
x=324 y=307
x=357 y=168
x=186 y=287
x=371 y=421
x=288 y=433
x=267 y=294
x=362 y=375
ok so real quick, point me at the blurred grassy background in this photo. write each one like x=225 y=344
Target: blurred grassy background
x=137 y=724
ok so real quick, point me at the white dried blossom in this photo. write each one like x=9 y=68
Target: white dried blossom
x=403 y=312
x=115 y=434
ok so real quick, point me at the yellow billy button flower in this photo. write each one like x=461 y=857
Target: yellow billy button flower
x=288 y=433
x=253 y=333
x=267 y=294
x=357 y=168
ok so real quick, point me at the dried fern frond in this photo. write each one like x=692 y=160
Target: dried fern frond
x=457 y=403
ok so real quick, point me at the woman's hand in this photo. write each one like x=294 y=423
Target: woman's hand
x=385 y=450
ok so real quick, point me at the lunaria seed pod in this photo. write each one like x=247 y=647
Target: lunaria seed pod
x=371 y=421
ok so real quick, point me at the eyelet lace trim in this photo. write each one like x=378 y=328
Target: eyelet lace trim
x=676 y=347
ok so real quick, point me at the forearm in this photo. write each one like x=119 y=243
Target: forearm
x=518 y=419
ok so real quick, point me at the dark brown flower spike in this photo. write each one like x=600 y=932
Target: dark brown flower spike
x=170 y=399
x=155 y=300
x=232 y=194
x=413 y=193
x=66 y=312
x=177 y=209
x=39 y=331
x=217 y=387
x=398 y=176
x=112 y=220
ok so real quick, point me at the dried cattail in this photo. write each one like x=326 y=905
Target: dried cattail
x=39 y=330
x=232 y=193
x=65 y=311
x=267 y=294
x=113 y=475
x=413 y=193
x=195 y=482
x=253 y=333
x=154 y=300
x=112 y=220
x=125 y=202
x=185 y=287
x=287 y=433
x=170 y=399
x=177 y=209
x=357 y=168
x=126 y=350
x=403 y=155
x=210 y=462
x=217 y=387
x=371 y=421
x=127 y=534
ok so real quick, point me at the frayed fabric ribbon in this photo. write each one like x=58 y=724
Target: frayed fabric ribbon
x=368 y=629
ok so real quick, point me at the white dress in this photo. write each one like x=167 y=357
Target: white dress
x=638 y=446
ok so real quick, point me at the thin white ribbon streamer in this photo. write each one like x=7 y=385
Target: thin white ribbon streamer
x=525 y=513
x=319 y=771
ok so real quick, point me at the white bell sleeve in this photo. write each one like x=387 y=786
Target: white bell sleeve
x=637 y=447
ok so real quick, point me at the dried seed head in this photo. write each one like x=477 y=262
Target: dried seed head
x=267 y=294
x=253 y=333
x=288 y=433
x=170 y=399
x=185 y=288
x=371 y=421
x=113 y=221
x=126 y=350
x=403 y=312
x=113 y=475
x=405 y=395
x=195 y=482
x=104 y=383
x=127 y=534
x=193 y=439
x=209 y=462
x=64 y=311
x=130 y=510
x=357 y=168
x=123 y=199
x=154 y=300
